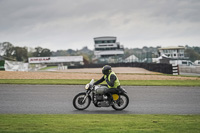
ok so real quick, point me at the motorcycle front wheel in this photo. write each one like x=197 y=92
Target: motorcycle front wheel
x=79 y=102
x=121 y=103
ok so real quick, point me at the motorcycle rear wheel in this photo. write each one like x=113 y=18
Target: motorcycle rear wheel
x=121 y=103
x=77 y=101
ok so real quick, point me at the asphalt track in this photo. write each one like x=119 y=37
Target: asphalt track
x=57 y=99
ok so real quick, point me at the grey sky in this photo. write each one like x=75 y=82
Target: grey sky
x=64 y=24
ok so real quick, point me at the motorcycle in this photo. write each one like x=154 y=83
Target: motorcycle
x=96 y=94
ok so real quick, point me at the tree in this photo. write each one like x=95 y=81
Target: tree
x=40 y=52
x=30 y=51
x=197 y=49
x=46 y=53
x=37 y=52
x=192 y=54
x=21 y=54
x=7 y=50
x=71 y=52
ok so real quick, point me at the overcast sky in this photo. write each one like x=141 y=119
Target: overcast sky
x=64 y=24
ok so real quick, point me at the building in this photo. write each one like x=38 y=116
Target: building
x=176 y=55
x=173 y=52
x=107 y=47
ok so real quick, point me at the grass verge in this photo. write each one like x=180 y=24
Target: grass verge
x=93 y=123
x=83 y=82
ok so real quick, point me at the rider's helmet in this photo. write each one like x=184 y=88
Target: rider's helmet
x=106 y=70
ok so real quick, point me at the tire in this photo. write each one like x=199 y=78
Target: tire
x=123 y=101
x=77 y=101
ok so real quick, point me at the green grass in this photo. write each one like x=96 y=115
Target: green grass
x=93 y=123
x=83 y=82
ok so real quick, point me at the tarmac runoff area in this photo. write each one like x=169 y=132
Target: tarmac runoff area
x=57 y=99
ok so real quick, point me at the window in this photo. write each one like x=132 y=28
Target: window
x=104 y=49
x=102 y=45
x=97 y=42
x=164 y=51
x=181 y=55
x=184 y=62
x=174 y=54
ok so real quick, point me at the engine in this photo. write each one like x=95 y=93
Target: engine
x=102 y=100
x=99 y=97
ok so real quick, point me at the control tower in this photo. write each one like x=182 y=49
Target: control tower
x=107 y=47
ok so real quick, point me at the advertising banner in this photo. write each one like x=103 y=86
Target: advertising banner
x=15 y=66
x=55 y=59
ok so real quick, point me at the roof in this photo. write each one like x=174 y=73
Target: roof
x=172 y=47
x=105 y=38
x=132 y=57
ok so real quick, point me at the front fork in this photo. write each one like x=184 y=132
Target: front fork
x=87 y=93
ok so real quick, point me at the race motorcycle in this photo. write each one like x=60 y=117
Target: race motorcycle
x=96 y=94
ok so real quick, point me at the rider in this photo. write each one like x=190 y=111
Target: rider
x=112 y=82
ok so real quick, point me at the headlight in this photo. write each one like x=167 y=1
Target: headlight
x=87 y=86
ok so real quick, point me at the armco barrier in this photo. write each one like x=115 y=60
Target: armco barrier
x=161 y=67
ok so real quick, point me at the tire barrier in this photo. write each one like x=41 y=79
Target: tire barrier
x=175 y=69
